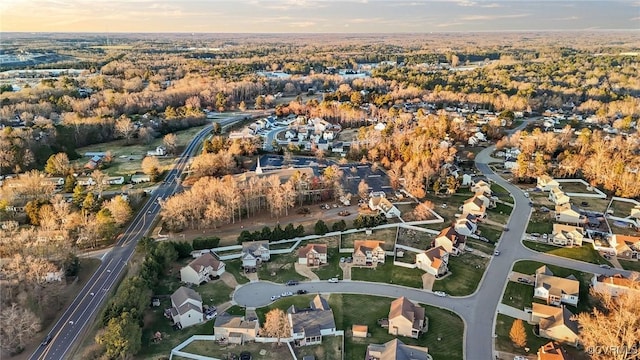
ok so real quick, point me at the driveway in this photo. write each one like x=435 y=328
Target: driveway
x=305 y=271
x=427 y=281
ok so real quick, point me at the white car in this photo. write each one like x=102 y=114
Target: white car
x=287 y=293
x=496 y=252
x=334 y=280
x=275 y=297
x=440 y=293
x=211 y=316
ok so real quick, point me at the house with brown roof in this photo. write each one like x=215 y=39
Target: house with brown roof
x=396 y=350
x=450 y=240
x=313 y=255
x=555 y=290
x=235 y=329
x=558 y=197
x=186 y=307
x=380 y=203
x=407 y=319
x=360 y=331
x=555 y=323
x=552 y=351
x=626 y=247
x=433 y=261
x=476 y=205
x=615 y=285
x=309 y=325
x=368 y=253
x=547 y=183
x=202 y=269
x=567 y=235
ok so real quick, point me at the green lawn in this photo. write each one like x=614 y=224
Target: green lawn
x=234 y=267
x=212 y=349
x=542 y=227
x=490 y=232
x=518 y=295
x=236 y=310
x=301 y=301
x=630 y=265
x=500 y=192
x=332 y=268
x=387 y=235
x=466 y=272
x=330 y=349
x=529 y=267
x=583 y=253
x=280 y=268
x=155 y=321
x=214 y=293
x=390 y=274
x=486 y=248
x=503 y=342
x=443 y=325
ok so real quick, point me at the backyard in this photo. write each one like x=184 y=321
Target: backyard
x=584 y=253
x=387 y=235
x=621 y=208
x=213 y=349
x=390 y=274
x=466 y=272
x=540 y=222
x=518 y=295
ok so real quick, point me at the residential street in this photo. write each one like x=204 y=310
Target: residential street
x=478 y=310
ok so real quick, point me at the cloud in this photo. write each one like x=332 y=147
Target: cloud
x=492 y=5
x=567 y=18
x=492 y=17
x=302 y=24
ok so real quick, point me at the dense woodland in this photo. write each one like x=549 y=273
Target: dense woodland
x=140 y=89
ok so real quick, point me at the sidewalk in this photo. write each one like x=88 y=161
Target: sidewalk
x=513 y=312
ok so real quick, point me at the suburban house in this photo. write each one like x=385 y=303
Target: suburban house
x=396 y=350
x=555 y=323
x=254 y=253
x=380 y=203
x=552 y=351
x=568 y=213
x=202 y=269
x=566 y=235
x=626 y=247
x=546 y=183
x=113 y=180
x=433 y=261
x=186 y=307
x=360 y=331
x=52 y=276
x=466 y=227
x=159 y=151
x=558 y=197
x=475 y=206
x=450 y=240
x=235 y=329
x=407 y=319
x=55 y=181
x=313 y=255
x=140 y=178
x=308 y=326
x=368 y=252
x=481 y=187
x=555 y=290
x=85 y=181
x=614 y=285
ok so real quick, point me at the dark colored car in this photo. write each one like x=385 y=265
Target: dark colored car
x=292 y=282
x=46 y=341
x=302 y=292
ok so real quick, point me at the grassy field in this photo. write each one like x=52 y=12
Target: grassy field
x=518 y=295
x=621 y=208
x=214 y=293
x=529 y=267
x=541 y=223
x=466 y=272
x=490 y=232
x=213 y=349
x=584 y=253
x=504 y=343
x=501 y=193
x=280 y=268
x=390 y=274
x=486 y=248
x=386 y=235
x=413 y=238
x=630 y=265
x=444 y=337
x=234 y=267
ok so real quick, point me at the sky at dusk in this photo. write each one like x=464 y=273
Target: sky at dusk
x=315 y=16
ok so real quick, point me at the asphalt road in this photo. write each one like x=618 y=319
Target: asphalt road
x=478 y=310
x=85 y=306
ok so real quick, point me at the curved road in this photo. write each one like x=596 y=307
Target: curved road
x=478 y=310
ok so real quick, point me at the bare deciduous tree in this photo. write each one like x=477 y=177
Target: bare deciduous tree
x=170 y=142
x=124 y=127
x=17 y=326
x=276 y=325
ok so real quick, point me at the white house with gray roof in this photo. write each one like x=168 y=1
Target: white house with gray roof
x=308 y=326
x=186 y=307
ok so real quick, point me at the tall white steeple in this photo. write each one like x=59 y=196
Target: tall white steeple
x=258 y=168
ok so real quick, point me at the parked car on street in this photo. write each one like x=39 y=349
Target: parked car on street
x=440 y=293
x=605 y=266
x=275 y=297
x=302 y=292
x=496 y=252
x=334 y=280
x=287 y=293
x=292 y=282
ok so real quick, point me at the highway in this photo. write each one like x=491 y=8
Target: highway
x=83 y=309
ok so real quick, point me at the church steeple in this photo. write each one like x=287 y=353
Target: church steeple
x=258 y=168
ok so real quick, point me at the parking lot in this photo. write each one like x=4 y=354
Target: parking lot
x=354 y=172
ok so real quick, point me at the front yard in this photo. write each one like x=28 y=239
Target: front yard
x=390 y=274
x=466 y=273
x=540 y=222
x=630 y=265
x=584 y=253
x=234 y=267
x=280 y=268
x=504 y=343
x=518 y=295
